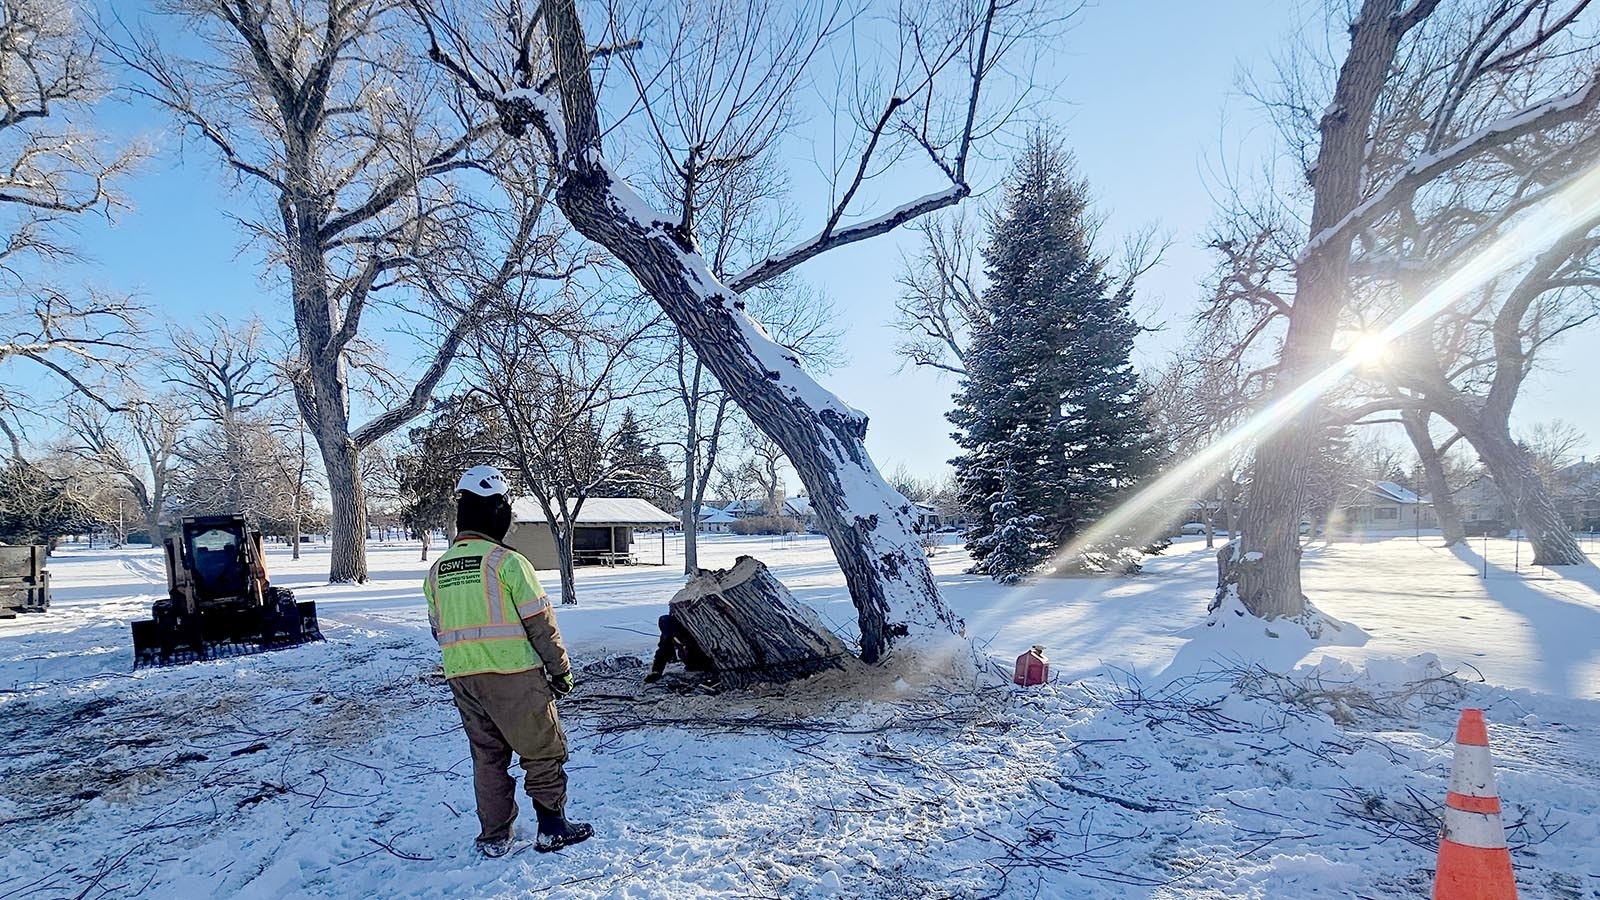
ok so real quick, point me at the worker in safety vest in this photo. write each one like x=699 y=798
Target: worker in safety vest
x=506 y=666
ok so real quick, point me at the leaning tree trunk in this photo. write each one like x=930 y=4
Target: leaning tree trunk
x=1444 y=503
x=1513 y=472
x=868 y=524
x=1266 y=570
x=752 y=629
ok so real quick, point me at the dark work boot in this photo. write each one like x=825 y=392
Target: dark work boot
x=556 y=832
x=497 y=848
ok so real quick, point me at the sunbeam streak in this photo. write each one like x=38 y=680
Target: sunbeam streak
x=1577 y=204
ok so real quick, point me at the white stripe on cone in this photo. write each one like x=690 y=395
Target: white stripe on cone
x=1473 y=772
x=1481 y=830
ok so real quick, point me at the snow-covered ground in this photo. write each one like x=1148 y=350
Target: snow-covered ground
x=1159 y=764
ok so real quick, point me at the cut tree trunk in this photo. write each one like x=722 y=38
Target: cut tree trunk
x=1444 y=503
x=751 y=627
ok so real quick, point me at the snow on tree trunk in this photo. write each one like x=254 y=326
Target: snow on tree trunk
x=869 y=525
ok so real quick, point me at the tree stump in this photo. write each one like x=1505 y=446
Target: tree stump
x=752 y=628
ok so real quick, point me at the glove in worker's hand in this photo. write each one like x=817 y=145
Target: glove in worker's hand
x=561 y=685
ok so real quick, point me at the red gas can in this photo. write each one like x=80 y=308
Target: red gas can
x=1032 y=667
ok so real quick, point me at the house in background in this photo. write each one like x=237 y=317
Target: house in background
x=1574 y=489
x=713 y=520
x=1576 y=493
x=1480 y=500
x=800 y=508
x=1384 y=506
x=744 y=509
x=604 y=533
x=928 y=518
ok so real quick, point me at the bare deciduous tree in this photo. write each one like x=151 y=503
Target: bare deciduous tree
x=940 y=300
x=555 y=373
x=921 y=100
x=135 y=447
x=325 y=113
x=1366 y=164
x=224 y=370
x=52 y=171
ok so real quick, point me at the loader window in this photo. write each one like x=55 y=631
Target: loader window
x=218 y=564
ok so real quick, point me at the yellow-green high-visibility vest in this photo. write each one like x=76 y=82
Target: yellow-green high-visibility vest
x=478 y=593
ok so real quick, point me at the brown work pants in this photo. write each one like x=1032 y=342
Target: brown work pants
x=502 y=713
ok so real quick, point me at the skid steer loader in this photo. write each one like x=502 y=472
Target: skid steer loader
x=219 y=602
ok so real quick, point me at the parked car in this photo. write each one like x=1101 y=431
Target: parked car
x=1482 y=527
x=1193 y=528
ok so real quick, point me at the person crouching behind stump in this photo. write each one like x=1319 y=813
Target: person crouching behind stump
x=676 y=644
x=506 y=665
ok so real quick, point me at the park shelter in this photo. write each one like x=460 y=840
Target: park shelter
x=604 y=533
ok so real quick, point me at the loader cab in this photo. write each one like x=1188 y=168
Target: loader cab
x=216 y=553
x=214 y=559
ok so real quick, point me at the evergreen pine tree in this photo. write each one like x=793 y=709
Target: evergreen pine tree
x=638 y=469
x=1050 y=415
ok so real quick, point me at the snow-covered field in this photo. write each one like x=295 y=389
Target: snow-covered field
x=1160 y=764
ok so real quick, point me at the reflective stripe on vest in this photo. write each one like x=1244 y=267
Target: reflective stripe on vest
x=481 y=633
x=533 y=607
x=475 y=619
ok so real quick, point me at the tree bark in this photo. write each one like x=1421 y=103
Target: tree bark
x=690 y=515
x=1269 y=585
x=752 y=628
x=1513 y=472
x=347 y=526
x=868 y=524
x=564 y=554
x=1444 y=503
x=1228 y=490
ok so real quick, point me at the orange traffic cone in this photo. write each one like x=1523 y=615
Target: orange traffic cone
x=1474 y=863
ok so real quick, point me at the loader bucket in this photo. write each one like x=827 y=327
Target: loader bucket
x=220 y=635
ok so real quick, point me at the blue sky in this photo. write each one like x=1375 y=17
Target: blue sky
x=1146 y=98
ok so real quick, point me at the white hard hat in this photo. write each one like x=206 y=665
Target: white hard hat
x=485 y=481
